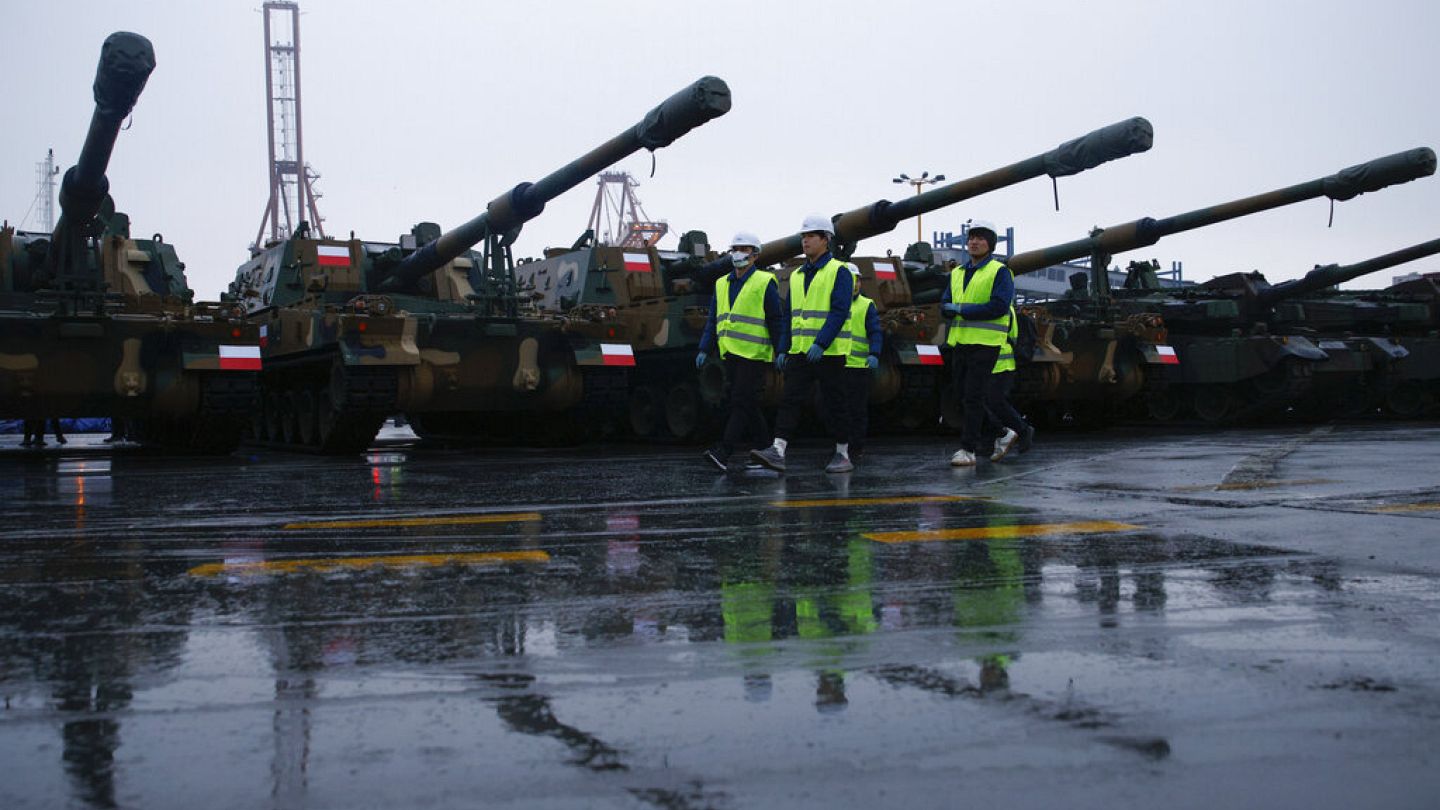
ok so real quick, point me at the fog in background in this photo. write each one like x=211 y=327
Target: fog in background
x=428 y=109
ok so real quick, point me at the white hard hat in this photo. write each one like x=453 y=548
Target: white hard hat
x=745 y=239
x=984 y=225
x=817 y=222
x=853 y=269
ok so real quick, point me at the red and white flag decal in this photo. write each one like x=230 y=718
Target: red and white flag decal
x=264 y=335
x=637 y=262
x=1166 y=355
x=885 y=272
x=929 y=355
x=333 y=255
x=239 y=358
x=617 y=354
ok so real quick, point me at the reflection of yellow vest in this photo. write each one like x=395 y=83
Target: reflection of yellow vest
x=746 y=609
x=741 y=331
x=855 y=333
x=1006 y=360
x=808 y=309
x=978 y=333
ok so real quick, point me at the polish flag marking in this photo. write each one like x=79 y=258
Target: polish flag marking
x=333 y=255
x=617 y=354
x=1165 y=356
x=264 y=335
x=637 y=262
x=885 y=271
x=239 y=358
x=929 y=355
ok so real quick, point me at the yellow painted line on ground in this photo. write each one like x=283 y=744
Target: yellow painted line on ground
x=336 y=563
x=1001 y=532
x=1411 y=507
x=879 y=501
x=443 y=520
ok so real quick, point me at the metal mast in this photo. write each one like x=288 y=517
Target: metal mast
x=292 y=196
x=624 y=220
x=45 y=172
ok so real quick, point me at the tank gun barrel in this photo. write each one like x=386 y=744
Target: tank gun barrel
x=126 y=61
x=1331 y=274
x=1346 y=184
x=704 y=100
x=1118 y=140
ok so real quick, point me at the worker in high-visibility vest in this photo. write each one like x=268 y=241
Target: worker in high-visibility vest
x=976 y=305
x=999 y=413
x=818 y=307
x=867 y=340
x=746 y=328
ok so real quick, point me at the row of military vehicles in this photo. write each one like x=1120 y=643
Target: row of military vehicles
x=319 y=340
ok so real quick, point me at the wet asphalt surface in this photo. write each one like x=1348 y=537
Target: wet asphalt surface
x=1130 y=618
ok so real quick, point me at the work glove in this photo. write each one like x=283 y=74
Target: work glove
x=780 y=363
x=815 y=353
x=700 y=360
x=872 y=362
x=950 y=310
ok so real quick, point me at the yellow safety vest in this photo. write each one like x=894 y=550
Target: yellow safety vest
x=741 y=331
x=855 y=333
x=977 y=333
x=809 y=308
x=1006 y=360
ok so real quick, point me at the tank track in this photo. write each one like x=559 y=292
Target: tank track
x=321 y=406
x=217 y=425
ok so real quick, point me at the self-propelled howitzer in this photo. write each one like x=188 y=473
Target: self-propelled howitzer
x=358 y=330
x=94 y=322
x=1112 y=344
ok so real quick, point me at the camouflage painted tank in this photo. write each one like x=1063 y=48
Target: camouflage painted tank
x=663 y=297
x=1380 y=344
x=1205 y=350
x=355 y=330
x=94 y=322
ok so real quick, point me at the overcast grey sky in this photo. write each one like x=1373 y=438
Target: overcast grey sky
x=427 y=109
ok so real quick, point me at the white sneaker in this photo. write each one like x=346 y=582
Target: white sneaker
x=1003 y=444
x=962 y=458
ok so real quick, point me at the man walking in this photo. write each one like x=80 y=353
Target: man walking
x=746 y=327
x=819 y=306
x=976 y=305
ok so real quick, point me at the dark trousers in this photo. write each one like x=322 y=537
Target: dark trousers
x=800 y=374
x=971 y=368
x=999 y=413
x=857 y=399
x=745 y=423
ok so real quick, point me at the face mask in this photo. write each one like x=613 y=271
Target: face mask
x=739 y=259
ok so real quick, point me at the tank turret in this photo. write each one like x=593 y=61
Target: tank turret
x=704 y=100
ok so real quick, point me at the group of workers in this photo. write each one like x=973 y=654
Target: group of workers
x=828 y=333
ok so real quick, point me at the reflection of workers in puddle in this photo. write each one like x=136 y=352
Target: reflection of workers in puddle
x=989 y=603
x=828 y=604
x=828 y=613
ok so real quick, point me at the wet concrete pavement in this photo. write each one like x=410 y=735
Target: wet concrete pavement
x=1246 y=618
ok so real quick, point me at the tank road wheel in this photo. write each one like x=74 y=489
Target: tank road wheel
x=1215 y=404
x=307 y=428
x=325 y=417
x=645 y=411
x=682 y=410
x=274 y=418
x=1163 y=405
x=1405 y=400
